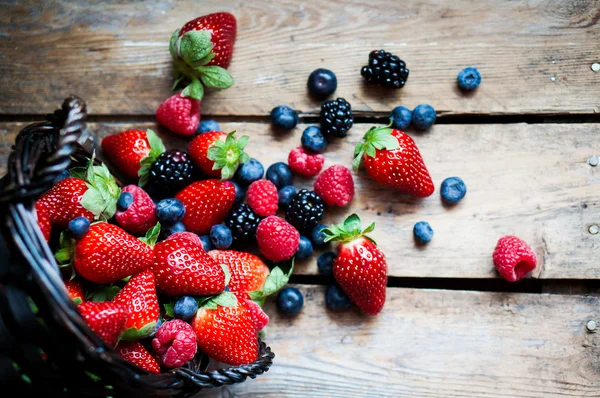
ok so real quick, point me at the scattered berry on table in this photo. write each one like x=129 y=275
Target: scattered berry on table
x=423 y=116
x=136 y=353
x=186 y=235
x=63 y=174
x=277 y=239
x=249 y=172
x=220 y=236
x=305 y=210
x=105 y=319
x=322 y=83
x=185 y=308
x=125 y=200
x=469 y=78
x=242 y=221
x=401 y=117
x=290 y=301
x=263 y=198
x=423 y=232
x=207 y=125
x=169 y=230
x=240 y=193
x=385 y=69
x=280 y=174
x=513 y=258
x=179 y=114
x=325 y=263
x=78 y=227
x=335 y=185
x=305 y=249
x=217 y=154
x=206 y=243
x=453 y=189
x=248 y=272
x=305 y=163
x=317 y=236
x=284 y=117
x=126 y=150
x=336 y=118
x=140 y=214
x=336 y=299
x=313 y=140
x=175 y=343
x=285 y=195
x=170 y=211
x=172 y=171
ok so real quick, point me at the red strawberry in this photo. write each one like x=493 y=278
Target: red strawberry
x=360 y=267
x=392 y=158
x=140 y=216
x=259 y=318
x=277 y=239
x=127 y=149
x=305 y=163
x=263 y=198
x=186 y=235
x=206 y=203
x=182 y=267
x=218 y=154
x=134 y=352
x=139 y=296
x=105 y=319
x=335 y=186
x=513 y=258
x=107 y=254
x=43 y=219
x=222 y=27
x=179 y=114
x=75 y=290
x=248 y=272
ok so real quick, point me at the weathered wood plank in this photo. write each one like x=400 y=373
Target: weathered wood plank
x=531 y=180
x=434 y=344
x=534 y=56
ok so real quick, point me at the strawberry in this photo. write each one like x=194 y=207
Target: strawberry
x=513 y=258
x=127 y=149
x=140 y=216
x=392 y=158
x=360 y=267
x=182 y=267
x=223 y=27
x=107 y=254
x=248 y=272
x=75 y=290
x=179 y=114
x=206 y=203
x=136 y=353
x=218 y=154
x=139 y=296
x=105 y=319
x=335 y=186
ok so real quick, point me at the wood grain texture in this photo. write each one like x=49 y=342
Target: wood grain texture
x=433 y=344
x=534 y=55
x=526 y=180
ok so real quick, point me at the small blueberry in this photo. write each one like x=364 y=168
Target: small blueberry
x=401 y=117
x=305 y=249
x=169 y=211
x=78 y=227
x=423 y=116
x=313 y=140
x=185 y=308
x=168 y=230
x=284 y=117
x=63 y=174
x=285 y=196
x=290 y=301
x=336 y=299
x=206 y=243
x=240 y=193
x=207 y=125
x=280 y=174
x=469 y=78
x=423 y=232
x=317 y=236
x=453 y=190
x=249 y=172
x=220 y=236
x=325 y=263
x=322 y=83
x=125 y=200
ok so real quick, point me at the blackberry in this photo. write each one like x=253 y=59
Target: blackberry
x=385 y=69
x=336 y=118
x=171 y=171
x=242 y=222
x=305 y=210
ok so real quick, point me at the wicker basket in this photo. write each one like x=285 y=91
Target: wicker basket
x=51 y=350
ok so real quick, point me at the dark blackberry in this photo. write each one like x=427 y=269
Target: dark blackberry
x=305 y=210
x=242 y=222
x=385 y=69
x=336 y=118
x=171 y=171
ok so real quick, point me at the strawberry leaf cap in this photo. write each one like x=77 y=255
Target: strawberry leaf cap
x=376 y=138
x=103 y=293
x=275 y=281
x=348 y=231
x=151 y=235
x=228 y=154
x=64 y=255
x=133 y=334
x=224 y=299
x=156 y=149
x=103 y=192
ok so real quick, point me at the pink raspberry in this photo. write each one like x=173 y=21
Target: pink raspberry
x=175 y=343
x=140 y=215
x=262 y=197
x=277 y=239
x=179 y=114
x=305 y=163
x=335 y=186
x=513 y=258
x=186 y=235
x=259 y=317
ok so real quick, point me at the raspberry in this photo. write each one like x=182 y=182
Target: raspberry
x=179 y=114
x=175 y=343
x=513 y=258
x=259 y=317
x=186 y=235
x=139 y=216
x=335 y=186
x=305 y=163
x=263 y=197
x=277 y=239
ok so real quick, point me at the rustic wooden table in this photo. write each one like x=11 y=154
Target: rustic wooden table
x=521 y=142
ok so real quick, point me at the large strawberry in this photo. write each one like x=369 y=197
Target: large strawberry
x=206 y=203
x=392 y=158
x=105 y=319
x=218 y=154
x=202 y=51
x=127 y=150
x=139 y=296
x=360 y=267
x=182 y=267
x=136 y=353
x=107 y=254
x=248 y=272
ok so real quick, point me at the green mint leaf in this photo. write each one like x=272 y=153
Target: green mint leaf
x=195 y=45
x=276 y=280
x=215 y=77
x=194 y=90
x=256 y=295
x=202 y=300
x=156 y=145
x=168 y=307
x=151 y=235
x=227 y=273
x=173 y=44
x=225 y=299
x=210 y=305
x=78 y=172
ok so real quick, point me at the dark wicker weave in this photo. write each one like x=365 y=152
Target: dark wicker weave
x=28 y=272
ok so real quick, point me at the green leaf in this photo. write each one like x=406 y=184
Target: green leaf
x=138 y=334
x=215 y=77
x=173 y=44
x=225 y=299
x=227 y=273
x=352 y=224
x=156 y=145
x=243 y=141
x=103 y=293
x=151 y=235
x=204 y=61
x=215 y=152
x=244 y=158
x=256 y=295
x=169 y=310
x=78 y=172
x=370 y=228
x=228 y=171
x=370 y=151
x=194 y=90
x=275 y=281
x=93 y=201
x=195 y=45
x=357 y=161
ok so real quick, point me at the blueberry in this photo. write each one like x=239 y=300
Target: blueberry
x=305 y=249
x=284 y=117
x=317 y=236
x=290 y=301
x=63 y=174
x=169 y=211
x=207 y=125
x=285 y=196
x=280 y=174
x=325 y=263
x=78 y=227
x=159 y=323
x=423 y=232
x=313 y=140
x=206 y=243
x=453 y=190
x=125 y=200
x=423 y=116
x=401 y=117
x=168 y=230
x=185 y=308
x=322 y=83
x=469 y=78
x=249 y=172
x=220 y=236
x=336 y=299
x=240 y=193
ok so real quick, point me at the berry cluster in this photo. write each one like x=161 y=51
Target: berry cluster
x=385 y=69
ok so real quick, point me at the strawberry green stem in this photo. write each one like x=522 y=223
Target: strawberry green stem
x=228 y=154
x=376 y=138
x=351 y=229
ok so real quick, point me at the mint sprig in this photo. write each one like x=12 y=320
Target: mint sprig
x=275 y=281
